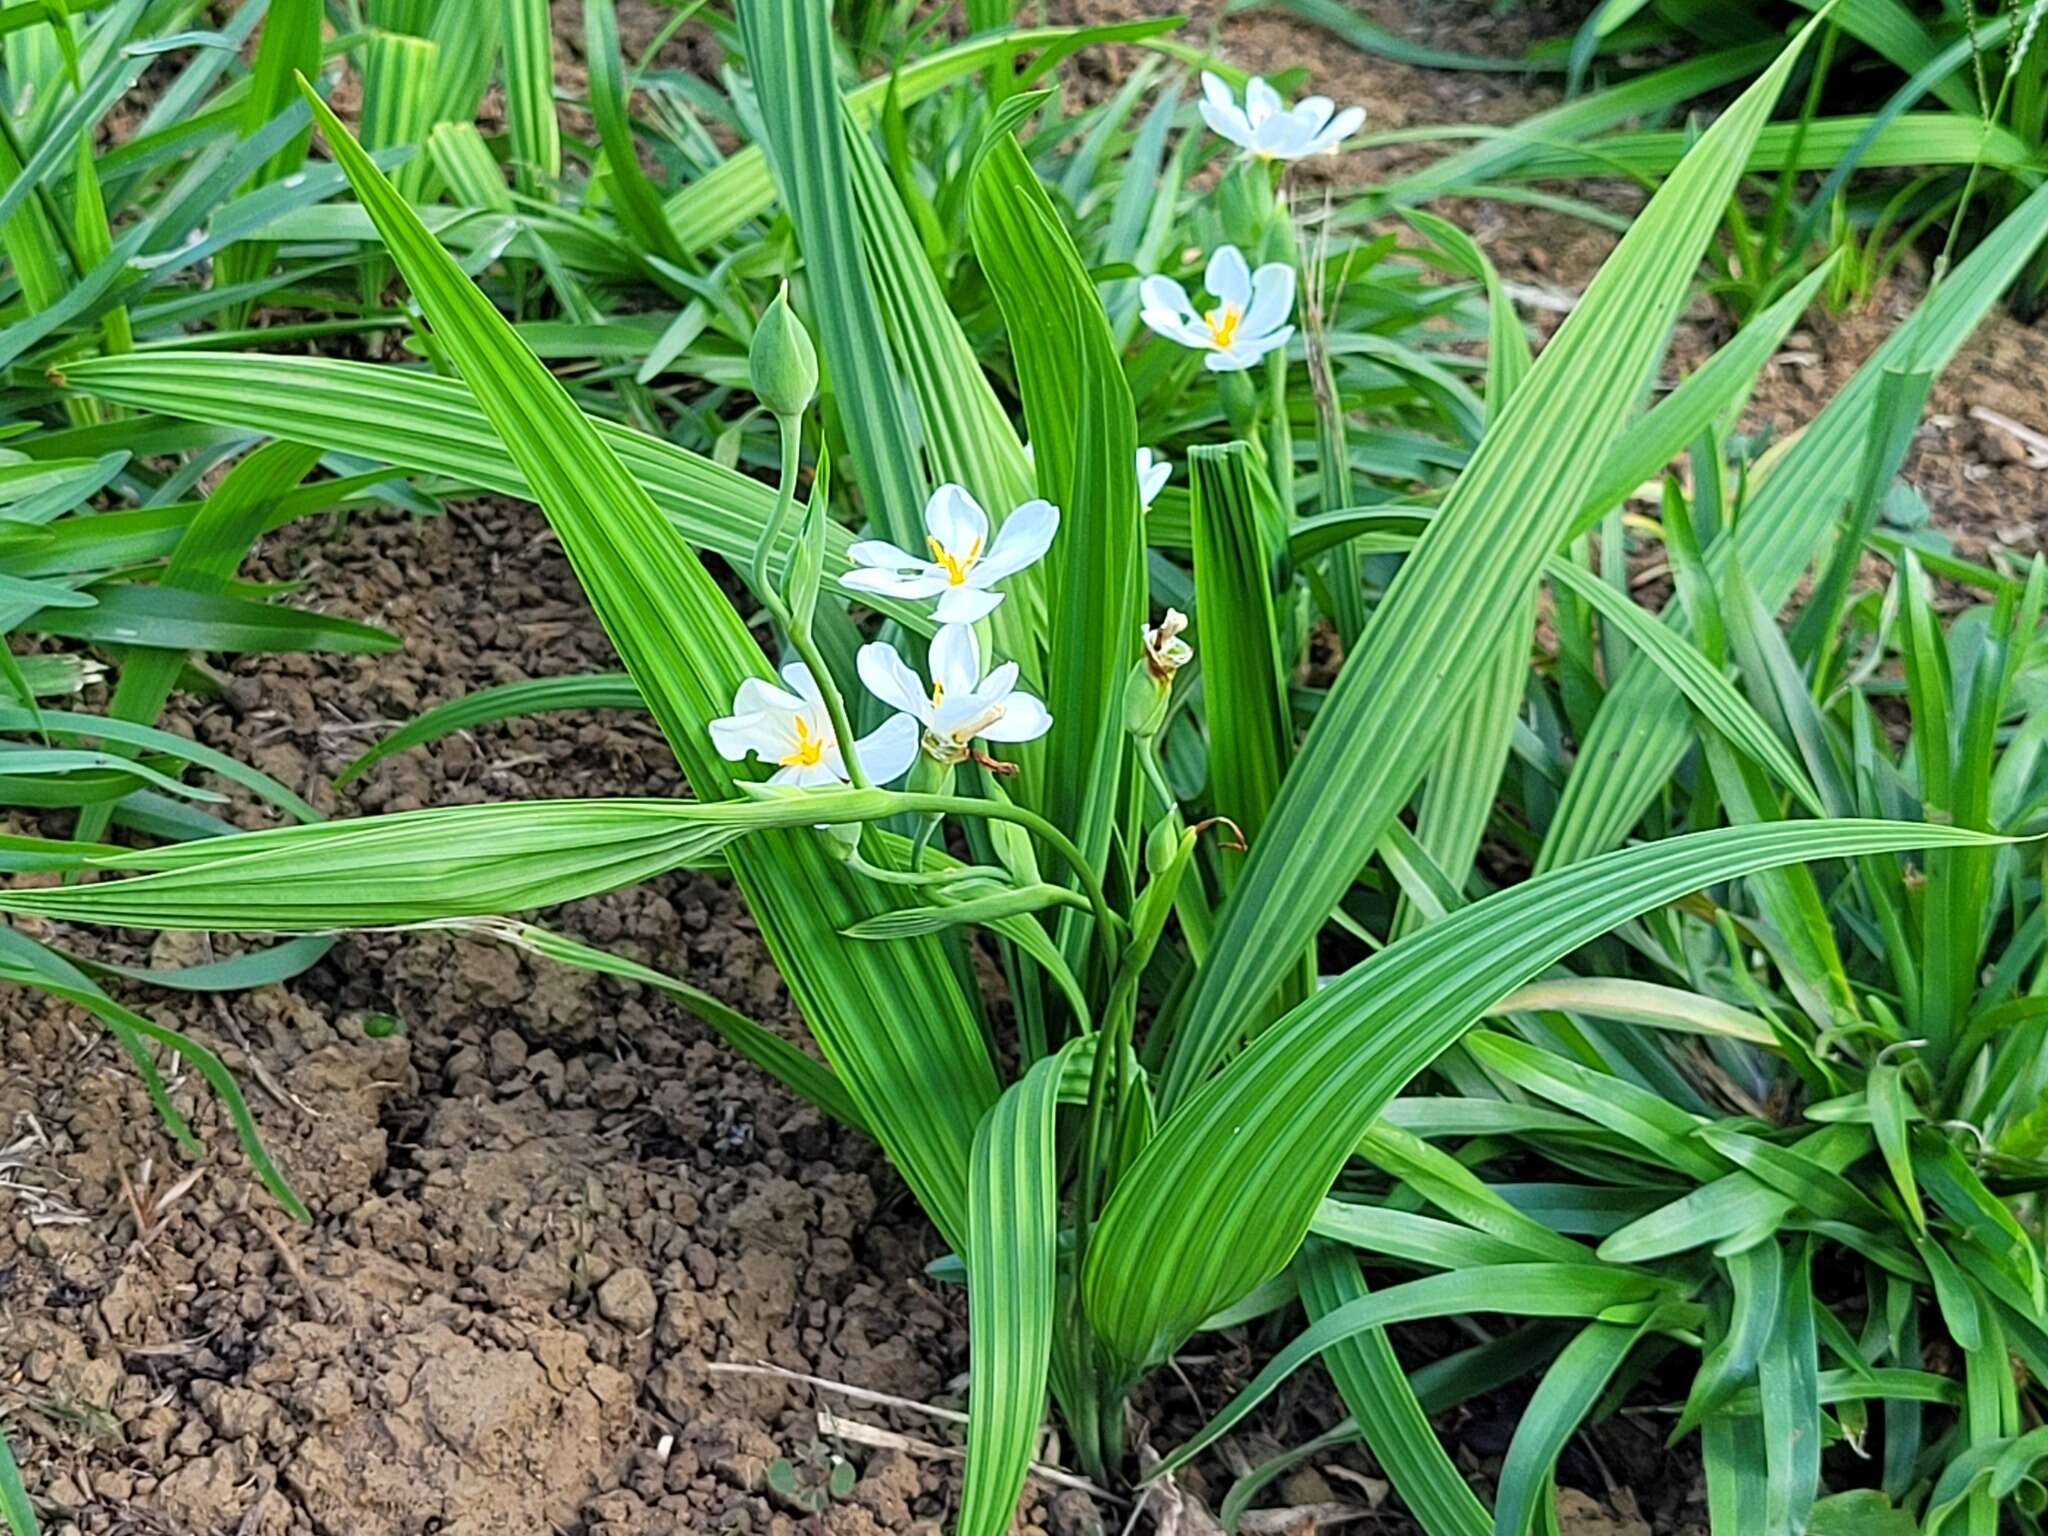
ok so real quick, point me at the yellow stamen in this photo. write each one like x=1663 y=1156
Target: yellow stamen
x=956 y=570
x=809 y=749
x=1223 y=324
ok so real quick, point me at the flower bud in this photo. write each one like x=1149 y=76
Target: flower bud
x=782 y=364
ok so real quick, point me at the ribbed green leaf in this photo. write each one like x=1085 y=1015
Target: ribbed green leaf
x=742 y=187
x=1392 y=704
x=1524 y=1290
x=507 y=701
x=1703 y=684
x=1376 y=1390
x=214 y=544
x=632 y=194
x=1084 y=440
x=789 y=46
x=894 y=1020
x=529 y=44
x=14 y=1504
x=1012 y=1295
x=1244 y=692
x=1644 y=727
x=436 y=425
x=1222 y=1195
x=1570 y=1387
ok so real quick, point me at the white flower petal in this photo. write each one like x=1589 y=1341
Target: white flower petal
x=883 y=555
x=997 y=684
x=1228 y=278
x=757 y=695
x=1161 y=293
x=1189 y=333
x=1282 y=138
x=1247 y=350
x=1261 y=101
x=1272 y=299
x=1312 y=112
x=1340 y=128
x=889 y=678
x=966 y=605
x=1025 y=535
x=763 y=733
x=804 y=686
x=890 y=584
x=1024 y=718
x=956 y=661
x=1214 y=89
x=1227 y=122
x=887 y=751
x=825 y=771
x=956 y=520
x=1153 y=473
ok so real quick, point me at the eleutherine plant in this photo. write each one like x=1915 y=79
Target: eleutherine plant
x=1235 y=1113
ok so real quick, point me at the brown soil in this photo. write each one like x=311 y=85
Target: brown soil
x=546 y=1207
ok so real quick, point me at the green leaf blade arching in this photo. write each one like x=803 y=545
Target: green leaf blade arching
x=1378 y=730
x=1221 y=1197
x=894 y=1020
x=1084 y=439
x=1644 y=728
x=1012 y=1291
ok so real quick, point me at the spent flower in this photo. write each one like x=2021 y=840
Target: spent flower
x=1248 y=319
x=1268 y=129
x=964 y=564
x=962 y=705
x=792 y=728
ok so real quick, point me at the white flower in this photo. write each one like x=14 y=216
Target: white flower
x=964 y=565
x=1153 y=473
x=793 y=729
x=1268 y=128
x=962 y=703
x=1249 y=318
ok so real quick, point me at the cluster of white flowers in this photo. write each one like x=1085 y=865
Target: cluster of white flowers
x=793 y=728
x=1250 y=314
x=1250 y=317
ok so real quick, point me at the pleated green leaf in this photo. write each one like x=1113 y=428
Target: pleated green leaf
x=1719 y=701
x=742 y=187
x=1643 y=727
x=1084 y=440
x=1244 y=690
x=1370 y=1380
x=14 y=1504
x=789 y=45
x=416 y=421
x=1571 y=1385
x=1391 y=706
x=1012 y=1295
x=894 y=1020
x=1221 y=1197
x=507 y=701
x=1522 y=1290
x=529 y=44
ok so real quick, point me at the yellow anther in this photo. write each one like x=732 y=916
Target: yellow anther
x=1223 y=324
x=809 y=749
x=956 y=570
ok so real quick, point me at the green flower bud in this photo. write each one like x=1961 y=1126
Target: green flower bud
x=782 y=363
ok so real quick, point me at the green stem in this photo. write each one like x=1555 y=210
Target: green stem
x=996 y=810
x=791 y=430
